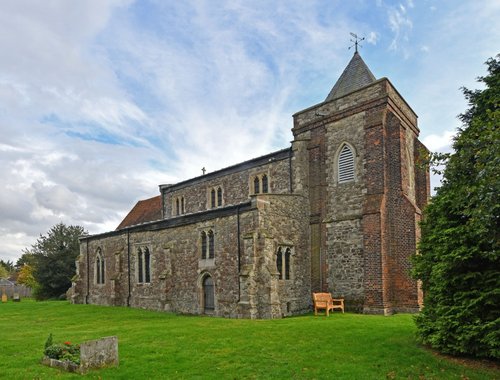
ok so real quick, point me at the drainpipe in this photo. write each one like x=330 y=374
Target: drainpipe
x=88 y=274
x=239 y=251
x=128 y=267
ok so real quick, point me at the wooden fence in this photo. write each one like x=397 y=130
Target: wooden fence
x=10 y=290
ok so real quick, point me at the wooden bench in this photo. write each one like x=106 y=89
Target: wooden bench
x=325 y=301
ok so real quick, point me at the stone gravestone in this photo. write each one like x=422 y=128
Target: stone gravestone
x=99 y=353
x=94 y=354
x=4 y=297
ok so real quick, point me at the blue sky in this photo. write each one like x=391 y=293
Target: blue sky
x=101 y=101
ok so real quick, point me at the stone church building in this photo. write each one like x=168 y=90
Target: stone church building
x=337 y=211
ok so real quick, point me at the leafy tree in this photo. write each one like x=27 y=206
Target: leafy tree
x=55 y=256
x=25 y=277
x=458 y=259
x=4 y=273
x=8 y=265
x=26 y=258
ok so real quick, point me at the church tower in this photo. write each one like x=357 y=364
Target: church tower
x=356 y=159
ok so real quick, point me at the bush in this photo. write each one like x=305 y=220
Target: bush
x=66 y=351
x=459 y=261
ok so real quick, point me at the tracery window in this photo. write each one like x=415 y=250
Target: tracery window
x=180 y=206
x=283 y=262
x=143 y=265
x=346 y=164
x=100 y=268
x=260 y=184
x=207 y=245
x=215 y=197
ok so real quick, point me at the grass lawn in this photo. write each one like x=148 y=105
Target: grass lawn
x=155 y=345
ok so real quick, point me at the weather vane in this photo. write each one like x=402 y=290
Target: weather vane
x=356 y=41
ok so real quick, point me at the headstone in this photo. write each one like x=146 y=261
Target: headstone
x=16 y=297
x=4 y=297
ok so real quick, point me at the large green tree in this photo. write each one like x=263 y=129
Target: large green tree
x=458 y=259
x=54 y=260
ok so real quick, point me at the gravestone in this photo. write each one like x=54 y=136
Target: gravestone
x=94 y=354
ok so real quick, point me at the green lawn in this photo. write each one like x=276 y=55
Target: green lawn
x=156 y=345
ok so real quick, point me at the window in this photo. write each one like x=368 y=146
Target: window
x=219 y=197
x=207 y=245
x=279 y=263
x=203 y=245
x=346 y=164
x=215 y=197
x=177 y=209
x=211 y=245
x=100 y=269
x=256 y=185
x=259 y=184
x=143 y=265
x=212 y=198
x=183 y=209
x=283 y=263
x=264 y=184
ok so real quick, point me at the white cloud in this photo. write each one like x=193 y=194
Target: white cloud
x=440 y=142
x=373 y=38
x=101 y=101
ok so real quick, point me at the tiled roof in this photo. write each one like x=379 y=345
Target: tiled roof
x=355 y=76
x=144 y=211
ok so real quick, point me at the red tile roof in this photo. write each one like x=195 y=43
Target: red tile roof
x=144 y=211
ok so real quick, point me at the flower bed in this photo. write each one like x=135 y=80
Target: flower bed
x=81 y=357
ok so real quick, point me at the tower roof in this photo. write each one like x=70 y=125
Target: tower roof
x=355 y=76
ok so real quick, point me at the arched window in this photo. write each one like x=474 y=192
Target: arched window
x=203 y=245
x=183 y=209
x=284 y=262
x=99 y=268
x=177 y=209
x=288 y=253
x=147 y=265
x=208 y=294
x=256 y=185
x=279 y=263
x=211 y=245
x=264 y=184
x=140 y=266
x=219 y=196
x=346 y=164
x=143 y=265
x=212 y=198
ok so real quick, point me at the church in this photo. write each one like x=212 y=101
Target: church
x=336 y=211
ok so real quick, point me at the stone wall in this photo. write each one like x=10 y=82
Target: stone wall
x=235 y=182
x=177 y=267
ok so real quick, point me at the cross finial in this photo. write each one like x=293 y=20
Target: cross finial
x=203 y=170
x=356 y=41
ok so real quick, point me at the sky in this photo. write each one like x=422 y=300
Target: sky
x=101 y=101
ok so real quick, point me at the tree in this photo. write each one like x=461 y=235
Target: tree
x=4 y=273
x=458 y=260
x=55 y=256
x=25 y=277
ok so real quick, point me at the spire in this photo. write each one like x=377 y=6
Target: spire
x=355 y=76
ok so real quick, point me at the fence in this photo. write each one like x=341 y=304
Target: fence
x=10 y=290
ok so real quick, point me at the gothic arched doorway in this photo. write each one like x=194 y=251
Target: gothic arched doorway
x=208 y=295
